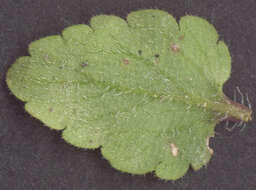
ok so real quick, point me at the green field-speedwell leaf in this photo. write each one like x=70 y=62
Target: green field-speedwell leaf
x=146 y=90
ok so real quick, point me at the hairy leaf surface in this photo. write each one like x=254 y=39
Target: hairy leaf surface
x=147 y=91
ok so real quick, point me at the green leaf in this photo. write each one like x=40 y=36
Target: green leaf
x=148 y=90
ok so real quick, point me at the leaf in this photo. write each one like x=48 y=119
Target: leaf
x=147 y=91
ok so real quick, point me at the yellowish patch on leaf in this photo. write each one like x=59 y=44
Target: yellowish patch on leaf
x=174 y=150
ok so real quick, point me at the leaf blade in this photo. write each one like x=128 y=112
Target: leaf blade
x=147 y=91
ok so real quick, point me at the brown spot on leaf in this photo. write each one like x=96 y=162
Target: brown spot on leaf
x=50 y=109
x=126 y=61
x=175 y=48
x=181 y=37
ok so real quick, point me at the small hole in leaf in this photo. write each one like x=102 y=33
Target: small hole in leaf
x=139 y=52
x=208 y=145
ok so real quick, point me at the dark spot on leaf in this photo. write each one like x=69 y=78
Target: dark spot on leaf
x=90 y=141
x=84 y=64
x=153 y=16
x=157 y=55
x=175 y=48
x=50 y=109
x=139 y=52
x=126 y=61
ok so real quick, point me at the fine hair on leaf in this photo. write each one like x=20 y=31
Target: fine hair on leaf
x=146 y=90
